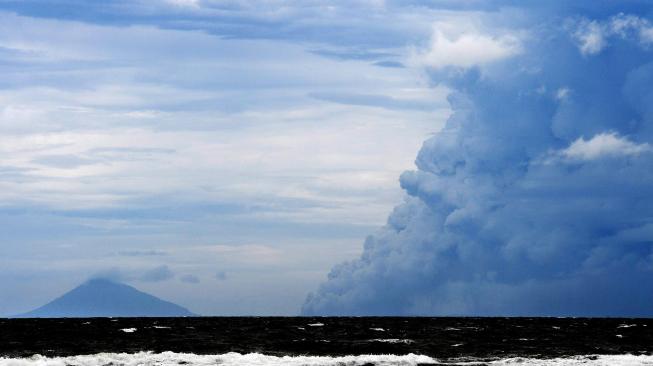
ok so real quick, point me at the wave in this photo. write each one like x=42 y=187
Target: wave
x=256 y=359
x=228 y=359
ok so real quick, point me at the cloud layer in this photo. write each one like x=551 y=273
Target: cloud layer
x=261 y=140
x=133 y=128
x=536 y=198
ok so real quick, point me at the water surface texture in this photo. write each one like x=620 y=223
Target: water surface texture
x=326 y=341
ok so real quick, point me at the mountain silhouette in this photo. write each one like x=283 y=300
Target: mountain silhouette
x=104 y=298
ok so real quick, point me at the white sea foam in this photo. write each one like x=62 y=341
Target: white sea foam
x=316 y=325
x=392 y=340
x=256 y=359
x=128 y=330
x=228 y=359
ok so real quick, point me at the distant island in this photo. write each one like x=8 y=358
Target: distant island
x=105 y=298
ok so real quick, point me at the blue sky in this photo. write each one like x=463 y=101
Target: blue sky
x=226 y=155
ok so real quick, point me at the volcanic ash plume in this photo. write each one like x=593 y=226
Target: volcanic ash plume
x=537 y=195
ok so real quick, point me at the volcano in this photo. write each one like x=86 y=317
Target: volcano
x=106 y=298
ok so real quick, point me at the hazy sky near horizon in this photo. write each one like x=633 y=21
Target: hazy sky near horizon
x=226 y=155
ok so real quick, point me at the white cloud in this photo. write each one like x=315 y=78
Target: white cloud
x=623 y=24
x=236 y=113
x=590 y=37
x=646 y=35
x=562 y=93
x=603 y=145
x=184 y=3
x=467 y=48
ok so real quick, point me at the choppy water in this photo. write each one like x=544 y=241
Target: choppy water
x=326 y=341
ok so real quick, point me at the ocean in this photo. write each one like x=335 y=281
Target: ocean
x=326 y=341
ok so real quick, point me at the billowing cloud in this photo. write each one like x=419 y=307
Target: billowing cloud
x=491 y=223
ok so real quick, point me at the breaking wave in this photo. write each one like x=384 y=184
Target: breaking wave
x=254 y=359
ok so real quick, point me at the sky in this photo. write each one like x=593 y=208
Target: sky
x=330 y=157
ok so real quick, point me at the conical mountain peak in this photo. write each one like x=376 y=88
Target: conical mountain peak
x=100 y=297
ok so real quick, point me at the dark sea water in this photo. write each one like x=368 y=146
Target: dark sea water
x=326 y=341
